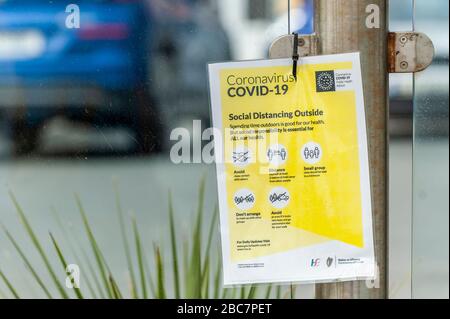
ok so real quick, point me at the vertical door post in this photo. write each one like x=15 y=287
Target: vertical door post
x=361 y=25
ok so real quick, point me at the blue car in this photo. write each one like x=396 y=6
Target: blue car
x=92 y=69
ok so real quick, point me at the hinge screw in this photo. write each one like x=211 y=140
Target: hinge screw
x=403 y=39
x=404 y=65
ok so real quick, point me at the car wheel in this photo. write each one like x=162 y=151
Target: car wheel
x=147 y=123
x=25 y=138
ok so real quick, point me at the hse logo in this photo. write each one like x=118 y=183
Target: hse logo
x=315 y=262
x=325 y=81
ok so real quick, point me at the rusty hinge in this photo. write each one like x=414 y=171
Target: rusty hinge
x=409 y=52
x=282 y=47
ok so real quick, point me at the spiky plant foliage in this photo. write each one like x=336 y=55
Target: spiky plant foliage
x=195 y=271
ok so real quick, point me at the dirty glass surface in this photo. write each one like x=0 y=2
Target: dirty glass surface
x=431 y=159
x=90 y=110
x=400 y=163
x=94 y=95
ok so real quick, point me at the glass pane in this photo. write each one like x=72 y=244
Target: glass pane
x=400 y=159
x=93 y=99
x=431 y=159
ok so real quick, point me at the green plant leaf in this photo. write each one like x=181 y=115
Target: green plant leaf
x=115 y=289
x=37 y=245
x=27 y=263
x=252 y=292
x=278 y=292
x=201 y=277
x=160 y=274
x=217 y=284
x=140 y=259
x=93 y=274
x=243 y=292
x=205 y=280
x=268 y=292
x=150 y=279
x=195 y=273
x=234 y=293
x=95 y=249
x=64 y=264
x=9 y=285
x=134 y=293
x=186 y=273
x=209 y=243
x=173 y=242
x=225 y=293
x=79 y=261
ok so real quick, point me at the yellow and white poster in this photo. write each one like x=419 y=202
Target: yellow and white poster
x=292 y=170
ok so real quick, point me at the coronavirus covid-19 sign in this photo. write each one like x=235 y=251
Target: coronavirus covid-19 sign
x=292 y=170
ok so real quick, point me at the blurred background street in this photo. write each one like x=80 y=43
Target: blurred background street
x=84 y=109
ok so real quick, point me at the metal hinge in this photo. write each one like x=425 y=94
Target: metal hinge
x=282 y=47
x=408 y=52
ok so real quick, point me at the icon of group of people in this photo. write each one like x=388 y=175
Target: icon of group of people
x=277 y=155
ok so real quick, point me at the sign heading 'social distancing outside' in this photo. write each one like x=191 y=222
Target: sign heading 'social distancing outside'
x=292 y=170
